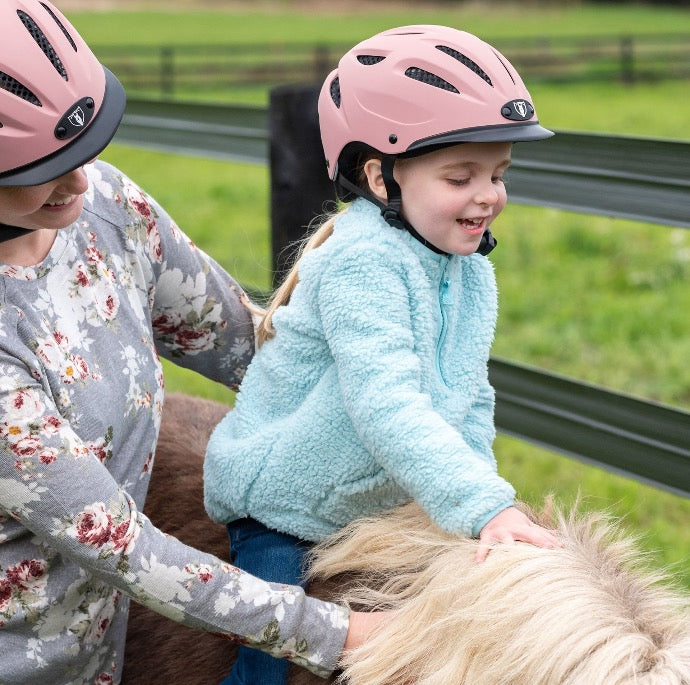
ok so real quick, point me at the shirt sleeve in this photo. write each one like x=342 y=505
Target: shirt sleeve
x=199 y=313
x=380 y=377
x=59 y=489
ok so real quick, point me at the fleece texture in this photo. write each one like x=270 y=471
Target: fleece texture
x=373 y=391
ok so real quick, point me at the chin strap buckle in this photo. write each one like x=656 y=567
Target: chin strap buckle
x=488 y=243
x=392 y=217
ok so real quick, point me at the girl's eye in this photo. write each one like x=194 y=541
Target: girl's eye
x=458 y=181
x=497 y=179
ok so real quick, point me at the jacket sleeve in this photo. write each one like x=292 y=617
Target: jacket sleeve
x=57 y=487
x=365 y=310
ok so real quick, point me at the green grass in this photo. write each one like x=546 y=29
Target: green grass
x=503 y=23
x=615 y=108
x=596 y=298
x=326 y=24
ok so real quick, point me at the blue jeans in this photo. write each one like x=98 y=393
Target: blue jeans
x=275 y=557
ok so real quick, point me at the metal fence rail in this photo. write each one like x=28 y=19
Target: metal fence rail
x=634 y=178
x=623 y=434
x=642 y=179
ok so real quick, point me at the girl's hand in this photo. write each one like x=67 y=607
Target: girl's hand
x=511 y=525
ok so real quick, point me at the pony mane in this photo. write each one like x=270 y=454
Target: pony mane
x=591 y=613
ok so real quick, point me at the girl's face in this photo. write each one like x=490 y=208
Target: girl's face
x=55 y=204
x=452 y=195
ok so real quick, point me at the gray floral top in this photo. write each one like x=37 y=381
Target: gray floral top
x=81 y=393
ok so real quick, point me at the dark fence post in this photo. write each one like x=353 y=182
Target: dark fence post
x=627 y=60
x=322 y=62
x=167 y=72
x=300 y=187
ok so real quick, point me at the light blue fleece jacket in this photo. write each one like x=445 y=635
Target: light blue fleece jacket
x=373 y=391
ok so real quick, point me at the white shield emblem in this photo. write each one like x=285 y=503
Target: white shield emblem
x=521 y=107
x=76 y=118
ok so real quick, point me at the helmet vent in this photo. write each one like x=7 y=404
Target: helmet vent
x=335 y=91
x=13 y=86
x=430 y=79
x=42 y=43
x=466 y=61
x=503 y=64
x=59 y=23
x=368 y=60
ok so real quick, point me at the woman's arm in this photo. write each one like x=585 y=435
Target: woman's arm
x=197 y=310
x=58 y=488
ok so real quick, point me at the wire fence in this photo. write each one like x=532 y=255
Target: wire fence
x=209 y=70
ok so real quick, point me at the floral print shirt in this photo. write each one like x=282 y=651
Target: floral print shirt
x=81 y=393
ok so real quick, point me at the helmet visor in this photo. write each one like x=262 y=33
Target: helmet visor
x=509 y=133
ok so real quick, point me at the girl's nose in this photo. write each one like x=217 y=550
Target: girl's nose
x=486 y=193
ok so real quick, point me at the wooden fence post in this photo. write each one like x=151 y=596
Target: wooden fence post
x=300 y=187
x=167 y=75
x=627 y=60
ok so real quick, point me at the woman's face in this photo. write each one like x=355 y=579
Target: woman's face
x=55 y=204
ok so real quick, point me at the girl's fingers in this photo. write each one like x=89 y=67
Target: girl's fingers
x=535 y=535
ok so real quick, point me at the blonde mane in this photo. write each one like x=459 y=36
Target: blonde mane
x=588 y=614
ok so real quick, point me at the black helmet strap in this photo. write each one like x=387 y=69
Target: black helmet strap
x=392 y=211
x=11 y=232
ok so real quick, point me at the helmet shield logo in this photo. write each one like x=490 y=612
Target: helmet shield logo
x=75 y=119
x=518 y=110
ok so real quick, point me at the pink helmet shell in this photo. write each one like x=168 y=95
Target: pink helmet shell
x=415 y=87
x=59 y=107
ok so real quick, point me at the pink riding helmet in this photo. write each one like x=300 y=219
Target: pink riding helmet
x=59 y=107
x=417 y=87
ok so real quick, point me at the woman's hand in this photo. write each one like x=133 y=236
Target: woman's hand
x=362 y=625
x=511 y=525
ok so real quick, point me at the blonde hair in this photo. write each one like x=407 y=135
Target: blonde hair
x=360 y=153
x=586 y=614
x=282 y=294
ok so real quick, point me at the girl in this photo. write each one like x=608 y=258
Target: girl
x=371 y=387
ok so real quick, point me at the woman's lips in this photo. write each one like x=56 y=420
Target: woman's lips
x=60 y=204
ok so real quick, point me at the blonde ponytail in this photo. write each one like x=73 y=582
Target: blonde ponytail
x=282 y=294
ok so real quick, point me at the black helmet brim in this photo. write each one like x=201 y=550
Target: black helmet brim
x=83 y=148
x=508 y=133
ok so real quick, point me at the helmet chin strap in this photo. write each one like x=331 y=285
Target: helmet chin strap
x=11 y=232
x=391 y=212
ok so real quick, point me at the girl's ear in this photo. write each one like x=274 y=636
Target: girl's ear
x=372 y=170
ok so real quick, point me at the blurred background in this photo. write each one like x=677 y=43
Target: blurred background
x=584 y=295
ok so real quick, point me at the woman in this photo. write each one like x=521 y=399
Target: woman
x=97 y=281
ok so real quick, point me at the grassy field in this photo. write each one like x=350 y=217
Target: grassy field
x=596 y=298
x=338 y=22
x=334 y=25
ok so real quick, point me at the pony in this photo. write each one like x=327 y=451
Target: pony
x=590 y=613
x=159 y=651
